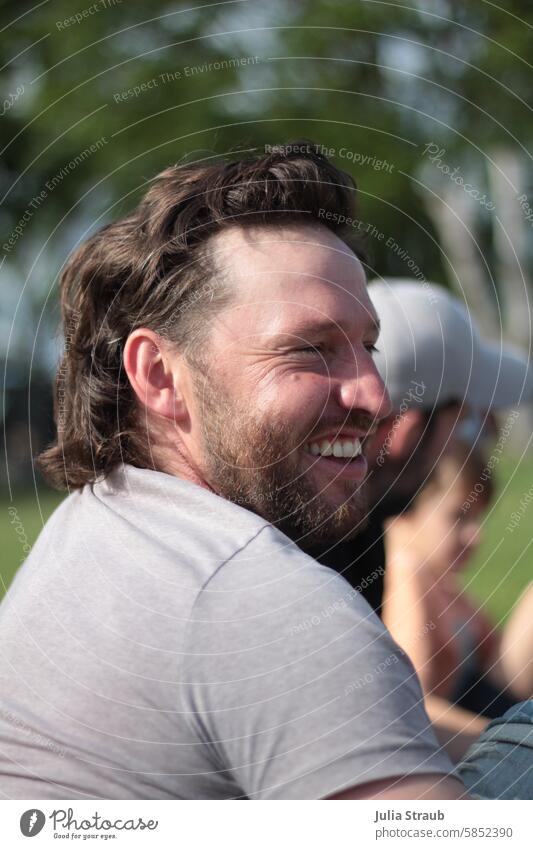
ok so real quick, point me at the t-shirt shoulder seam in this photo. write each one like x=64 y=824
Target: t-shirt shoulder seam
x=212 y=575
x=226 y=561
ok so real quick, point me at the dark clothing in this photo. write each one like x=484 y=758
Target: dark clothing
x=361 y=561
x=477 y=693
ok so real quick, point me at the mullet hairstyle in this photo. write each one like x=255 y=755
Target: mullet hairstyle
x=154 y=269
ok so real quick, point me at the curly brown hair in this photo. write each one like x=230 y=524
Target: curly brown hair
x=153 y=269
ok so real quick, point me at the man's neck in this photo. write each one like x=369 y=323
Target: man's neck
x=171 y=459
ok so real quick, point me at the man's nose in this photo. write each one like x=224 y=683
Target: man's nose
x=361 y=387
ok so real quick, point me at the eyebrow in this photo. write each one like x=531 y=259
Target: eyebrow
x=313 y=328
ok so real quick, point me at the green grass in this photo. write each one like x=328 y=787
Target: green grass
x=502 y=567
x=32 y=510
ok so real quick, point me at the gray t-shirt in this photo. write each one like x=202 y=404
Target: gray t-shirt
x=161 y=642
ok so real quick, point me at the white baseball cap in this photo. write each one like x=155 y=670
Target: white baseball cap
x=430 y=351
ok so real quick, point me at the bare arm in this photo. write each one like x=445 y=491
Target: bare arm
x=517 y=647
x=455 y=728
x=429 y=786
x=410 y=611
x=410 y=615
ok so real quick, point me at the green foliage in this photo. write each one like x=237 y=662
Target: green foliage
x=378 y=79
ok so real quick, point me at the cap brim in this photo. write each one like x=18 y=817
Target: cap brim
x=500 y=377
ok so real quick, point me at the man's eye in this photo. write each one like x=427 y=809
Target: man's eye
x=317 y=350
x=372 y=348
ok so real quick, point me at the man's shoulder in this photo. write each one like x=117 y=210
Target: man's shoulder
x=133 y=517
x=187 y=520
x=225 y=553
x=270 y=577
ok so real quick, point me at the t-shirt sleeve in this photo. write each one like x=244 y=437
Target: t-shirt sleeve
x=294 y=685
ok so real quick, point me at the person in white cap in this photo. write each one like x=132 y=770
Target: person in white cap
x=438 y=371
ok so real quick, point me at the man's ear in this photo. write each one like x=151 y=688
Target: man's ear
x=153 y=370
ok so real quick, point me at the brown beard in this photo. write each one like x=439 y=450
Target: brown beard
x=255 y=463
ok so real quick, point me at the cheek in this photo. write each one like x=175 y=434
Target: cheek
x=297 y=395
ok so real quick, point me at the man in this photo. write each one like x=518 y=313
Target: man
x=439 y=371
x=167 y=637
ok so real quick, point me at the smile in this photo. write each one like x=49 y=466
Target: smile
x=340 y=458
x=347 y=449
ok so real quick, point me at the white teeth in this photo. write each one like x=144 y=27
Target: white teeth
x=345 y=448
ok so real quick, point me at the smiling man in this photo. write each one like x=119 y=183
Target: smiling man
x=168 y=637
x=275 y=428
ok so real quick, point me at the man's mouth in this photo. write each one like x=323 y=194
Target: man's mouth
x=346 y=449
x=339 y=457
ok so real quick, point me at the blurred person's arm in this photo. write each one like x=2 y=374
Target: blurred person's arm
x=516 y=648
x=410 y=613
x=455 y=728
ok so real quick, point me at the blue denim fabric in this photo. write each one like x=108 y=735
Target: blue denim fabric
x=499 y=765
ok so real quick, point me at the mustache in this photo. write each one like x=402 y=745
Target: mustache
x=352 y=419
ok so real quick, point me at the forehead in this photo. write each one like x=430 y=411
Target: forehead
x=288 y=276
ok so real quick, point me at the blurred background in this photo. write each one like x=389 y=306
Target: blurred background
x=428 y=105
